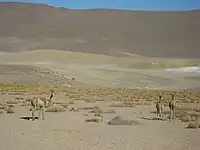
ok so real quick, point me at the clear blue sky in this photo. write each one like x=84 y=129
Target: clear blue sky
x=122 y=4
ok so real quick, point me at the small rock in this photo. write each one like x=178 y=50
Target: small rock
x=193 y=125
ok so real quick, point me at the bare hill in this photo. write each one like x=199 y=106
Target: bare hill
x=26 y=26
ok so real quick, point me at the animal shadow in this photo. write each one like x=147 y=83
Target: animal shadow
x=27 y=118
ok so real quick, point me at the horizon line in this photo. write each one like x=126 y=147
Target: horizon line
x=102 y=8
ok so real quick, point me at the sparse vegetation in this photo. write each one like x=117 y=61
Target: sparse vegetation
x=1 y=111
x=55 y=108
x=119 y=121
x=10 y=110
x=193 y=125
x=14 y=102
x=94 y=120
x=2 y=106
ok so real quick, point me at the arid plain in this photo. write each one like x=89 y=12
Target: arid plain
x=102 y=101
x=101 y=91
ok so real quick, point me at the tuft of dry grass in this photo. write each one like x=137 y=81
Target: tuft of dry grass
x=2 y=106
x=95 y=109
x=71 y=102
x=109 y=111
x=89 y=100
x=11 y=105
x=196 y=109
x=73 y=109
x=10 y=110
x=186 y=118
x=55 y=108
x=116 y=105
x=94 y=120
x=12 y=102
x=25 y=103
x=119 y=121
x=19 y=98
x=193 y=125
x=1 y=111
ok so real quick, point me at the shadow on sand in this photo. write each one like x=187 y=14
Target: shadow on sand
x=27 y=118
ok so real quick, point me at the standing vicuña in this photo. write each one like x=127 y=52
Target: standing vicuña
x=40 y=104
x=159 y=108
x=172 y=106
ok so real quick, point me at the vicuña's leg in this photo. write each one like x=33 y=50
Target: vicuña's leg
x=160 y=115
x=33 y=113
x=157 y=113
x=174 y=114
x=43 y=113
x=157 y=110
x=162 y=112
x=39 y=113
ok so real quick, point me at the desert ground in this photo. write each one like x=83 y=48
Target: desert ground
x=110 y=103
x=107 y=68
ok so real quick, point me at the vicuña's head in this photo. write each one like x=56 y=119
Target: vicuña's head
x=51 y=91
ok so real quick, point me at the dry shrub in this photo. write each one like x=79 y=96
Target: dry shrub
x=12 y=102
x=116 y=105
x=10 y=110
x=100 y=99
x=11 y=105
x=89 y=100
x=2 y=106
x=71 y=102
x=186 y=118
x=196 y=109
x=180 y=113
x=28 y=99
x=184 y=108
x=25 y=103
x=55 y=108
x=72 y=96
x=73 y=109
x=194 y=114
x=138 y=103
x=109 y=111
x=1 y=111
x=89 y=107
x=19 y=98
x=193 y=125
x=147 y=103
x=97 y=114
x=129 y=104
x=94 y=120
x=62 y=104
x=119 y=121
x=95 y=109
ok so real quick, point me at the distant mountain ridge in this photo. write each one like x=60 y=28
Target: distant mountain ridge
x=27 y=26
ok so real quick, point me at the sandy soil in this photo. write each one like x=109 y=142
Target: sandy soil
x=54 y=67
x=68 y=130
